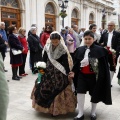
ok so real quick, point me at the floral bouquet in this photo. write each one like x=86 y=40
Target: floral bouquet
x=41 y=66
x=94 y=64
x=113 y=55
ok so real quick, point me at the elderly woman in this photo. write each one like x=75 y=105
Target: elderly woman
x=14 y=43
x=54 y=94
x=71 y=43
x=24 y=43
x=35 y=48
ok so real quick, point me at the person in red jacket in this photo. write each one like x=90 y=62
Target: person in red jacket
x=45 y=35
x=24 y=43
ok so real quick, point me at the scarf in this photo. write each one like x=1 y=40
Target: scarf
x=57 y=52
x=85 y=61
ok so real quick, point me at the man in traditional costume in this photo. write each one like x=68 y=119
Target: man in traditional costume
x=91 y=65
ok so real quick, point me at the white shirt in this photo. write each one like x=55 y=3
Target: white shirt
x=110 y=35
x=85 y=61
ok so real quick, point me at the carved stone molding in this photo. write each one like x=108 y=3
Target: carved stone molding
x=22 y=11
x=98 y=10
x=85 y=6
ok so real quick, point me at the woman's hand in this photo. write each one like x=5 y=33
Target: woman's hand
x=70 y=79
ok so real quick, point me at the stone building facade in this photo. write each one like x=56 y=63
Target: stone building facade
x=42 y=12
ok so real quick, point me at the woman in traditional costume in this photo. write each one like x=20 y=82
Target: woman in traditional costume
x=92 y=67
x=54 y=93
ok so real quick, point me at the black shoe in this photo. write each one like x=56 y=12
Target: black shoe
x=19 y=77
x=111 y=85
x=15 y=78
x=93 y=117
x=6 y=70
x=53 y=115
x=81 y=118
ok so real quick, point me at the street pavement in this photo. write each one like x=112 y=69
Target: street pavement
x=20 y=105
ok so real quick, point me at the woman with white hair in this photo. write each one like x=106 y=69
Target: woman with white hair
x=35 y=48
x=24 y=43
x=54 y=93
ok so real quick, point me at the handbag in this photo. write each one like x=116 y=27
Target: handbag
x=16 y=52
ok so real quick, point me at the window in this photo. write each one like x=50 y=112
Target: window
x=8 y=15
x=49 y=9
x=74 y=14
x=10 y=3
x=91 y=17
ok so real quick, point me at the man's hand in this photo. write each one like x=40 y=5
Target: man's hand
x=71 y=74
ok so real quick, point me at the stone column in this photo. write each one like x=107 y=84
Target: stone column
x=40 y=15
x=27 y=15
x=33 y=9
x=85 y=16
x=98 y=18
x=22 y=13
x=81 y=15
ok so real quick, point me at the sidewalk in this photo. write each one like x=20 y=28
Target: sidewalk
x=20 y=106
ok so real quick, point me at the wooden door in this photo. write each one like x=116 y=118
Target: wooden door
x=74 y=21
x=50 y=20
x=10 y=16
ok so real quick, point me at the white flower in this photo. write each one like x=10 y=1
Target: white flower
x=41 y=65
x=96 y=62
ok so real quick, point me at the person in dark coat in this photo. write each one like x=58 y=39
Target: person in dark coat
x=35 y=48
x=2 y=47
x=93 y=76
x=14 y=43
x=111 y=41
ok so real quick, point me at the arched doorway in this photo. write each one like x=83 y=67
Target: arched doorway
x=10 y=13
x=103 y=21
x=74 y=19
x=91 y=18
x=50 y=18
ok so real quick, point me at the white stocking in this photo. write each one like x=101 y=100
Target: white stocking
x=111 y=75
x=93 y=110
x=81 y=100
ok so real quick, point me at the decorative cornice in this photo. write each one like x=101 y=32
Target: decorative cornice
x=85 y=6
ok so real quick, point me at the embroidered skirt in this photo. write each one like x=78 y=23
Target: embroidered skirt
x=54 y=94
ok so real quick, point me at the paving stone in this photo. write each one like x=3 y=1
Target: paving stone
x=20 y=105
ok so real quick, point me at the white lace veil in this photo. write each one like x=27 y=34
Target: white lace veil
x=70 y=61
